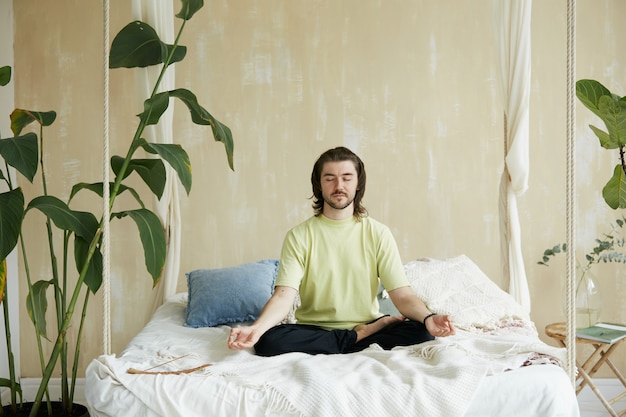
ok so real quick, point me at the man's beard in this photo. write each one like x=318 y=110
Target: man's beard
x=336 y=206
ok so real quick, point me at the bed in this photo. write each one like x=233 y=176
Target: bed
x=179 y=365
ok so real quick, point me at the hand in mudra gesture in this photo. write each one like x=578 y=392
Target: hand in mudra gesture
x=440 y=325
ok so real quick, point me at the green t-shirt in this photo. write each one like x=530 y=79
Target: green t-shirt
x=336 y=266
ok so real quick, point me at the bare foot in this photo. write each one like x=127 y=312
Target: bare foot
x=365 y=330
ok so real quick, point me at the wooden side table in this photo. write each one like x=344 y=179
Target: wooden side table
x=600 y=356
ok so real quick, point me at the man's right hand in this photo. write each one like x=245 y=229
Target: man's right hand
x=273 y=312
x=243 y=337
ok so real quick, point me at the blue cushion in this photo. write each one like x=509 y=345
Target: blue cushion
x=229 y=295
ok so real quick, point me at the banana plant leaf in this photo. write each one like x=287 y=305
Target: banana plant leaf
x=152 y=238
x=5 y=75
x=152 y=172
x=5 y=382
x=176 y=156
x=3 y=279
x=11 y=216
x=81 y=223
x=154 y=107
x=158 y=104
x=200 y=116
x=138 y=45
x=22 y=153
x=21 y=118
x=190 y=7
x=37 y=305
x=96 y=187
x=93 y=277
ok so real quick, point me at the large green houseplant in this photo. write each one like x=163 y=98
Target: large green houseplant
x=136 y=45
x=611 y=109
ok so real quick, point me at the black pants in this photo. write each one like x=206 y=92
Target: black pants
x=311 y=339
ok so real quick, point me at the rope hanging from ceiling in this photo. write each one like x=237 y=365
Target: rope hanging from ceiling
x=570 y=340
x=106 y=275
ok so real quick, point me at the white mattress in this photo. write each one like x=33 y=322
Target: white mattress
x=242 y=384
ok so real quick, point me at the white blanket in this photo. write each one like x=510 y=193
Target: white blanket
x=438 y=378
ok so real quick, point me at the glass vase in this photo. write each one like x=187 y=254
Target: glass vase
x=588 y=298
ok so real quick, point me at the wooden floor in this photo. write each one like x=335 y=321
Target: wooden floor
x=590 y=405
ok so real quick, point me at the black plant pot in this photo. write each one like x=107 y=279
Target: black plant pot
x=57 y=410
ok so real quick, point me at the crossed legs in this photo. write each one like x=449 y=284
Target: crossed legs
x=387 y=331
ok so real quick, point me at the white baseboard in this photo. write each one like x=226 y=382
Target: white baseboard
x=31 y=385
x=602 y=384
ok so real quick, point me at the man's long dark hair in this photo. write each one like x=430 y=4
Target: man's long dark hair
x=337 y=155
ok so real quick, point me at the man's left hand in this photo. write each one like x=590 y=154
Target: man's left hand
x=440 y=325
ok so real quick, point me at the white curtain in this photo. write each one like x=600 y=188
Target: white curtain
x=512 y=39
x=160 y=15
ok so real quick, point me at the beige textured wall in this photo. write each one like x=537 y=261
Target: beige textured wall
x=408 y=85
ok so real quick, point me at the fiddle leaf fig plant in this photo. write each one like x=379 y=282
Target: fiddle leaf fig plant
x=80 y=233
x=611 y=109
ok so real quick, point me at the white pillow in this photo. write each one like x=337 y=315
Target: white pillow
x=458 y=287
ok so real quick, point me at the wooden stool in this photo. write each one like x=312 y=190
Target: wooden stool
x=600 y=356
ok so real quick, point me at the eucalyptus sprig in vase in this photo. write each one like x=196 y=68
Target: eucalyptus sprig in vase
x=609 y=248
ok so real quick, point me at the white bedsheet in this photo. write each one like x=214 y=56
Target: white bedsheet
x=458 y=376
